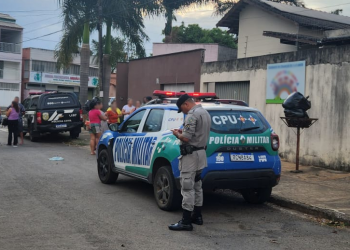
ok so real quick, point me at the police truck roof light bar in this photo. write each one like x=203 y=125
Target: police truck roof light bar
x=164 y=94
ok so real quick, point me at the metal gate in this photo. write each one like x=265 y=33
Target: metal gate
x=188 y=87
x=233 y=90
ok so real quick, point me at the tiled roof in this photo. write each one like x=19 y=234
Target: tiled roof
x=304 y=17
x=8 y=21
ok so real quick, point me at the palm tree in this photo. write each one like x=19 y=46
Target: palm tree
x=169 y=9
x=77 y=16
x=81 y=17
x=223 y=6
x=127 y=17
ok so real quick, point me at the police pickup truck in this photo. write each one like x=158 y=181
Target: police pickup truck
x=242 y=152
x=52 y=113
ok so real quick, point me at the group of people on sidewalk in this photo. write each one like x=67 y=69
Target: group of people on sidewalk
x=14 y=122
x=99 y=121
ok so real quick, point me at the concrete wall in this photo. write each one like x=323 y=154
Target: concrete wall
x=326 y=143
x=226 y=53
x=252 y=23
x=211 y=49
x=6 y=97
x=180 y=68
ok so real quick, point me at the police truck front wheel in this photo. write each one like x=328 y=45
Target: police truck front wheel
x=256 y=195
x=104 y=168
x=168 y=197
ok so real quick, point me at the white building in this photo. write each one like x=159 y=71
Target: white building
x=40 y=73
x=266 y=27
x=213 y=51
x=10 y=59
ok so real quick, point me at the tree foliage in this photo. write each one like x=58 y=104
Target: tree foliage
x=337 y=11
x=121 y=51
x=127 y=17
x=193 y=33
x=169 y=7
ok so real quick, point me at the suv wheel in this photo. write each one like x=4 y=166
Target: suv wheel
x=256 y=195
x=168 y=197
x=74 y=134
x=31 y=135
x=104 y=168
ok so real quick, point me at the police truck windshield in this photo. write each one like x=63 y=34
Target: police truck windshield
x=235 y=122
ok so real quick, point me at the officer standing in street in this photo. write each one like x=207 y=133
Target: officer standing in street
x=194 y=137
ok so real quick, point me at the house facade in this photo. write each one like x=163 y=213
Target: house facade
x=10 y=59
x=171 y=72
x=265 y=27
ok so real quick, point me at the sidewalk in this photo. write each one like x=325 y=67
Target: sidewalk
x=316 y=191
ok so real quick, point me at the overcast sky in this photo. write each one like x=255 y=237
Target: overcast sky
x=41 y=17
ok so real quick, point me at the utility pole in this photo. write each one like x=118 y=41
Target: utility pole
x=246 y=46
x=100 y=49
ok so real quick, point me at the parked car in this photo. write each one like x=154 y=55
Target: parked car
x=52 y=113
x=242 y=152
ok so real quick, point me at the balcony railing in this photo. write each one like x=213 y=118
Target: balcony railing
x=10 y=47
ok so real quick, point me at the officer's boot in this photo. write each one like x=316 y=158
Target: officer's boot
x=184 y=224
x=197 y=216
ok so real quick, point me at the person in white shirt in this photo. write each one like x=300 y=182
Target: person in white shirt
x=128 y=109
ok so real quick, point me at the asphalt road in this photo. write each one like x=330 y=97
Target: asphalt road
x=63 y=205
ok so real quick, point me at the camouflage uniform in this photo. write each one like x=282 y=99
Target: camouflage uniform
x=196 y=129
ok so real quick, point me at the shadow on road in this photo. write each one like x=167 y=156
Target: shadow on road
x=61 y=138
x=213 y=200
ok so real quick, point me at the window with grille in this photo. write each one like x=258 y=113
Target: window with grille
x=75 y=69
x=233 y=90
x=93 y=72
x=47 y=67
x=66 y=71
x=26 y=69
x=9 y=86
x=1 y=69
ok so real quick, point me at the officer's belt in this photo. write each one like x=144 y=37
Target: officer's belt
x=198 y=148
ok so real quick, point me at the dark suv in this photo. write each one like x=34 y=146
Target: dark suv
x=52 y=113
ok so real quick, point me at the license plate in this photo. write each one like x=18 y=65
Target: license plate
x=61 y=125
x=242 y=157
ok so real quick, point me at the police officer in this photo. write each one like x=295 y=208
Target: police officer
x=194 y=137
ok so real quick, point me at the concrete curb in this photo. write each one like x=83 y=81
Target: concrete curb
x=330 y=214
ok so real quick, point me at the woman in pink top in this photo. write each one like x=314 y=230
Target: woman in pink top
x=13 y=116
x=95 y=117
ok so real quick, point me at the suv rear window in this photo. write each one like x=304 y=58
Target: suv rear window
x=236 y=122
x=59 y=101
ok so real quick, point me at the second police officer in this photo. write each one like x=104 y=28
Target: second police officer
x=194 y=137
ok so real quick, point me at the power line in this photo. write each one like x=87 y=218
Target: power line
x=42 y=36
x=27 y=10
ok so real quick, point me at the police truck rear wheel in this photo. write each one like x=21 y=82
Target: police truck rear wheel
x=168 y=197
x=104 y=168
x=74 y=134
x=256 y=195
x=31 y=135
